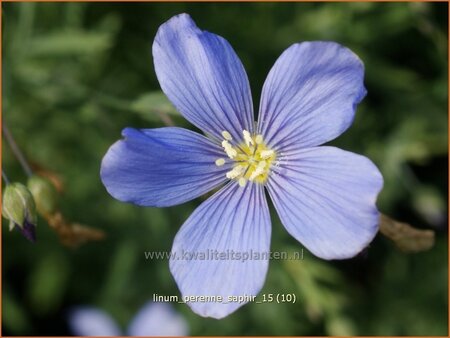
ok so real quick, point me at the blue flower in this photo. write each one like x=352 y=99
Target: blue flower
x=153 y=319
x=324 y=196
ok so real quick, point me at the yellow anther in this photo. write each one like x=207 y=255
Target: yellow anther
x=258 y=170
x=255 y=174
x=220 y=162
x=248 y=138
x=236 y=172
x=251 y=159
x=226 y=135
x=265 y=154
x=231 y=152
x=262 y=164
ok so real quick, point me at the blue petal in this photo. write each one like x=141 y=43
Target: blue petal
x=209 y=250
x=310 y=95
x=158 y=319
x=325 y=198
x=203 y=77
x=89 y=321
x=161 y=167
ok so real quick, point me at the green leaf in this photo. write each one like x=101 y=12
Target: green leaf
x=67 y=43
x=14 y=316
x=119 y=272
x=152 y=105
x=48 y=282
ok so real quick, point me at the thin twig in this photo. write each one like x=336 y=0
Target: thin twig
x=406 y=237
x=16 y=150
x=5 y=178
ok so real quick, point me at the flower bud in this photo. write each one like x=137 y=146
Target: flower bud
x=19 y=208
x=44 y=194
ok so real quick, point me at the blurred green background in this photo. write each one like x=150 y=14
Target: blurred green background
x=76 y=74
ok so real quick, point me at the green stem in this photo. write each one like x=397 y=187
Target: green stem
x=5 y=178
x=16 y=151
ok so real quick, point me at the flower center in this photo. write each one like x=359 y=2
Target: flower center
x=252 y=158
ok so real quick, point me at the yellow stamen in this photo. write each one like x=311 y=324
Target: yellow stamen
x=226 y=135
x=265 y=154
x=236 y=172
x=258 y=171
x=220 y=162
x=251 y=159
x=229 y=150
x=242 y=182
x=248 y=138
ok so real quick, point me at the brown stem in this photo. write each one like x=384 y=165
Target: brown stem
x=406 y=237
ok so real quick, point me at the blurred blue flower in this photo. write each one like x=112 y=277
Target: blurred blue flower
x=325 y=196
x=153 y=319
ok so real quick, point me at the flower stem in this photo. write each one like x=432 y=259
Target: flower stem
x=16 y=151
x=5 y=178
x=407 y=238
